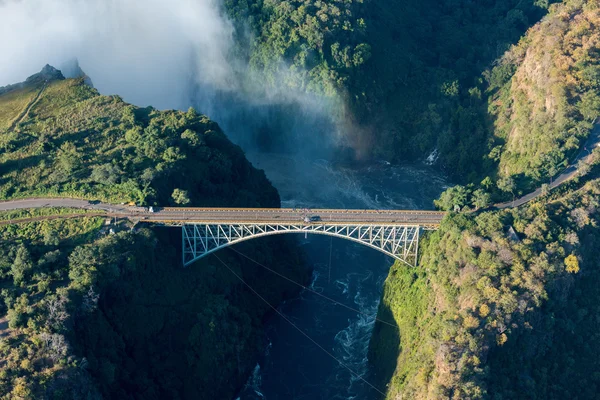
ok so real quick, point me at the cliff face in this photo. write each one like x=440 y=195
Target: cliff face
x=407 y=73
x=47 y=74
x=544 y=112
x=497 y=308
x=92 y=314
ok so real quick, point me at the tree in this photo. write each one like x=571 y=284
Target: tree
x=456 y=196
x=362 y=53
x=51 y=236
x=192 y=137
x=583 y=168
x=191 y=114
x=590 y=105
x=68 y=158
x=501 y=339
x=22 y=265
x=134 y=135
x=173 y=154
x=105 y=173
x=481 y=199
x=572 y=264
x=180 y=196
x=147 y=176
x=83 y=263
x=450 y=89
x=487 y=183
x=57 y=314
x=507 y=184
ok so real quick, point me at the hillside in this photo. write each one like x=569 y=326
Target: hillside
x=89 y=314
x=410 y=75
x=503 y=305
x=544 y=112
x=486 y=309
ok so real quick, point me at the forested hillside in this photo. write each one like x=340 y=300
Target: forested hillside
x=102 y=309
x=411 y=75
x=495 y=314
x=419 y=76
x=544 y=113
x=504 y=303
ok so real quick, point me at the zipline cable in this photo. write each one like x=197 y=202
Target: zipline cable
x=297 y=328
x=330 y=252
x=313 y=291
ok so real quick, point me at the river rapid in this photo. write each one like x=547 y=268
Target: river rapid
x=292 y=367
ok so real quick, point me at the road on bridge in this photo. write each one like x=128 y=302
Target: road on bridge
x=168 y=215
x=294 y=216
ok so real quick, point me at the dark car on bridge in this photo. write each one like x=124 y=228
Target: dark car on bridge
x=313 y=218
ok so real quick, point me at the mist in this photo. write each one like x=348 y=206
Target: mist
x=147 y=51
x=170 y=55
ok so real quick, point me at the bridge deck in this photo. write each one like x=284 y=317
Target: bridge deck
x=179 y=216
x=293 y=216
x=206 y=230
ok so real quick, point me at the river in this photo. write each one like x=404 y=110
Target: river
x=292 y=367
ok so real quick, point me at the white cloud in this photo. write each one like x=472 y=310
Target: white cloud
x=147 y=51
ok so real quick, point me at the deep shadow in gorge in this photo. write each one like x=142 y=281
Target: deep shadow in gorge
x=164 y=331
x=385 y=346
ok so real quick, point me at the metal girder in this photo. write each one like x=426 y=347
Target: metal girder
x=398 y=241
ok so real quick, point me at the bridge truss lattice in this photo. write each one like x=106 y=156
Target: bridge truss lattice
x=398 y=241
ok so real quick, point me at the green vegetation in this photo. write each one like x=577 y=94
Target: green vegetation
x=94 y=311
x=411 y=75
x=502 y=305
x=545 y=103
x=13 y=104
x=488 y=308
x=38 y=212
x=310 y=45
x=420 y=75
x=76 y=143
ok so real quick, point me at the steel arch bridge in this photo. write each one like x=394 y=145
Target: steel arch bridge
x=206 y=230
x=398 y=241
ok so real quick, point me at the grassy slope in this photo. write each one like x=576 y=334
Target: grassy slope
x=140 y=152
x=12 y=105
x=92 y=314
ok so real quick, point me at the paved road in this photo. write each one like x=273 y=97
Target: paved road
x=237 y=215
x=169 y=215
x=66 y=203
x=294 y=216
x=584 y=155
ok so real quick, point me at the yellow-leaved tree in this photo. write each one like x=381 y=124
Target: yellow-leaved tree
x=572 y=264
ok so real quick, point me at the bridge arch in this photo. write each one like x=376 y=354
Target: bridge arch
x=397 y=241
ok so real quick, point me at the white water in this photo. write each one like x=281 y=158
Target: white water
x=293 y=367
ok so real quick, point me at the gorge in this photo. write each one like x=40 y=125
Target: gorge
x=301 y=104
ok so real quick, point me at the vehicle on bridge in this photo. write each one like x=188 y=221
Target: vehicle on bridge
x=312 y=218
